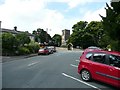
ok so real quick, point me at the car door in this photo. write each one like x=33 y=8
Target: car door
x=99 y=67
x=114 y=70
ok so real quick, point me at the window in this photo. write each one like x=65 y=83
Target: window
x=88 y=56
x=99 y=57
x=114 y=60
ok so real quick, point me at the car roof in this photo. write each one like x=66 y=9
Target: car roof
x=108 y=52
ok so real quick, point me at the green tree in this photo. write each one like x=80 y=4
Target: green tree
x=87 y=40
x=76 y=38
x=57 y=39
x=86 y=34
x=111 y=23
x=9 y=43
x=79 y=26
x=104 y=41
x=23 y=38
x=95 y=28
x=78 y=30
x=41 y=36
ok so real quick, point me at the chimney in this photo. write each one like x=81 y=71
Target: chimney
x=15 y=28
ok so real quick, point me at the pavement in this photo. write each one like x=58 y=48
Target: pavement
x=11 y=58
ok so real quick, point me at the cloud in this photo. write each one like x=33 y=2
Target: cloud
x=75 y=3
x=53 y=21
x=28 y=15
x=14 y=11
x=94 y=15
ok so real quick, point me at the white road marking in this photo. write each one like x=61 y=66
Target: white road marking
x=32 y=63
x=73 y=65
x=77 y=60
x=80 y=81
x=4 y=57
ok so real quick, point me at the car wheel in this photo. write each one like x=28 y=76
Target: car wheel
x=85 y=75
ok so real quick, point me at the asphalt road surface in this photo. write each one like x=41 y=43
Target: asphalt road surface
x=58 y=70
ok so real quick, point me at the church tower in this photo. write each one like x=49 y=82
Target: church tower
x=65 y=36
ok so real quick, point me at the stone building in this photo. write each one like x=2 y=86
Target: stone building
x=65 y=36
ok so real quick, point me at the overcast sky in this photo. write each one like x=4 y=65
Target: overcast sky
x=56 y=15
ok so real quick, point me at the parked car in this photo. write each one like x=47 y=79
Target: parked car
x=53 y=48
x=100 y=65
x=44 y=50
x=91 y=48
x=50 y=49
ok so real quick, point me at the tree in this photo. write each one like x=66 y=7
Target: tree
x=23 y=38
x=86 y=34
x=79 y=26
x=41 y=36
x=111 y=23
x=75 y=39
x=78 y=31
x=57 y=39
x=87 y=40
x=9 y=43
x=95 y=28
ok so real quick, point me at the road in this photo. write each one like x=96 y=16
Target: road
x=58 y=70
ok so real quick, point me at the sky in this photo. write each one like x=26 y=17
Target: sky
x=51 y=15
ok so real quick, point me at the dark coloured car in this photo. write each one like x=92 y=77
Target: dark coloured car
x=100 y=65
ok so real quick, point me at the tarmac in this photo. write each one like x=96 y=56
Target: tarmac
x=11 y=58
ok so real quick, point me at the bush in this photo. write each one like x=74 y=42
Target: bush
x=23 y=50
x=33 y=47
x=115 y=45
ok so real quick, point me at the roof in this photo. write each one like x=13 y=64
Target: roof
x=10 y=31
x=14 y=31
x=104 y=51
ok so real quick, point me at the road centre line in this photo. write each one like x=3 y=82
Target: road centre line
x=32 y=63
x=74 y=65
x=80 y=81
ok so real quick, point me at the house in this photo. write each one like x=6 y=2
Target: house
x=15 y=31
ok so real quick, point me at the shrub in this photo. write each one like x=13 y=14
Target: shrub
x=23 y=50
x=33 y=47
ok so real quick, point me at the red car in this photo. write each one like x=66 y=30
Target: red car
x=43 y=51
x=91 y=48
x=100 y=65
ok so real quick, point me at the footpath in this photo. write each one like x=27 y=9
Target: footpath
x=11 y=58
